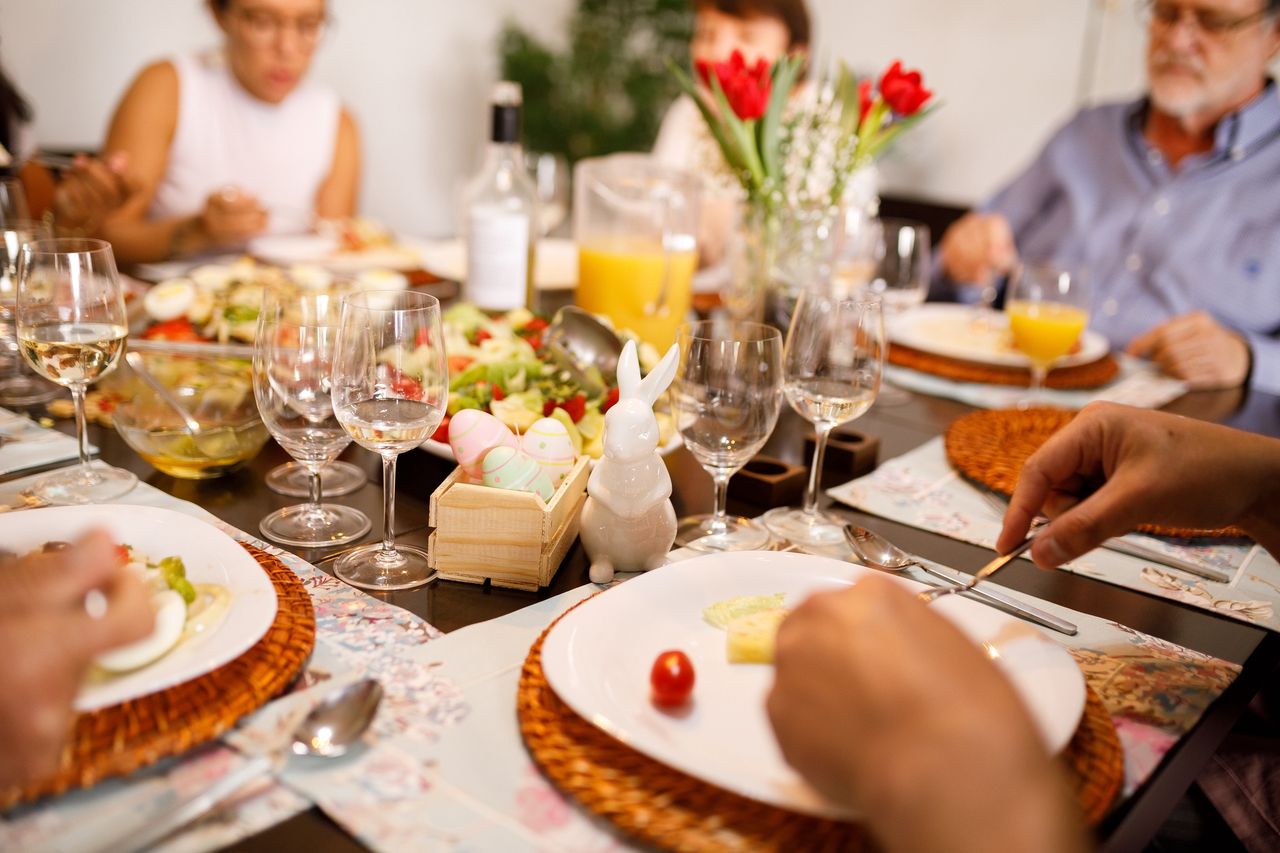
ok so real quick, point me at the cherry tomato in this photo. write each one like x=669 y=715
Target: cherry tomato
x=671 y=679
x=407 y=387
x=442 y=432
x=179 y=329
x=422 y=338
x=576 y=406
x=609 y=400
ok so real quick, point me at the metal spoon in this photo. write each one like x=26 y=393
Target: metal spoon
x=335 y=723
x=879 y=553
x=577 y=340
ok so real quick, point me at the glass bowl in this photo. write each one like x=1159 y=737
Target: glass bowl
x=217 y=393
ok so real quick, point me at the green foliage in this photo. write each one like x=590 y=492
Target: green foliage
x=609 y=90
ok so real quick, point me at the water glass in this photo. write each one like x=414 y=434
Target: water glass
x=832 y=366
x=390 y=391
x=726 y=398
x=18 y=385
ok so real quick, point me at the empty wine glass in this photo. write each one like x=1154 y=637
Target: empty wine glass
x=833 y=361
x=726 y=398
x=390 y=391
x=900 y=279
x=337 y=478
x=18 y=385
x=72 y=328
x=550 y=176
x=292 y=361
x=1048 y=309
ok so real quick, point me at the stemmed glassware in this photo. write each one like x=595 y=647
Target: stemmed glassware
x=833 y=362
x=390 y=392
x=13 y=201
x=71 y=328
x=18 y=386
x=726 y=398
x=292 y=362
x=901 y=279
x=550 y=176
x=1048 y=308
x=336 y=478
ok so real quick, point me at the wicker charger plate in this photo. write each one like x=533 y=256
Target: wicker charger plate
x=669 y=809
x=122 y=738
x=1091 y=375
x=990 y=448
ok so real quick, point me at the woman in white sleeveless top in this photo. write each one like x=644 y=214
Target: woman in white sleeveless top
x=233 y=144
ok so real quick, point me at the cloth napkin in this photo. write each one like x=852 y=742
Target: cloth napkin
x=1139 y=383
x=921 y=489
x=28 y=445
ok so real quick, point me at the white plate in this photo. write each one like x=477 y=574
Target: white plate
x=957 y=331
x=555 y=266
x=444 y=451
x=210 y=555
x=288 y=249
x=597 y=659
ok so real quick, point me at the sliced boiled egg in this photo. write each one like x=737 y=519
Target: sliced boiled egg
x=170 y=300
x=171 y=617
x=201 y=308
x=213 y=277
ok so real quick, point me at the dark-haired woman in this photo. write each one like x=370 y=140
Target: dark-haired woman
x=232 y=144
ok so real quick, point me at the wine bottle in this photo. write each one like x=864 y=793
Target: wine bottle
x=500 y=214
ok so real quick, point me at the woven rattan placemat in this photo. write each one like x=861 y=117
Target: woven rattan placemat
x=122 y=738
x=1091 y=375
x=990 y=447
x=669 y=809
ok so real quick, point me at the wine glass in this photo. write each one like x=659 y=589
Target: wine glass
x=336 y=478
x=1048 y=308
x=549 y=174
x=900 y=279
x=726 y=398
x=833 y=361
x=13 y=201
x=18 y=386
x=71 y=328
x=390 y=391
x=292 y=357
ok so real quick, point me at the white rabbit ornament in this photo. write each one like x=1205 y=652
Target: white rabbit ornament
x=628 y=523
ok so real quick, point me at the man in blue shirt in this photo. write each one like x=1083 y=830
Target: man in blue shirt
x=1171 y=204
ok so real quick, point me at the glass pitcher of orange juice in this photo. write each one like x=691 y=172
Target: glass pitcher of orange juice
x=635 y=224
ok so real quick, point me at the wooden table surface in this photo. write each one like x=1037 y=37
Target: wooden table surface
x=242 y=499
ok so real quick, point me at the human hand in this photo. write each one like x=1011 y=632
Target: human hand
x=231 y=216
x=1196 y=349
x=90 y=191
x=977 y=248
x=885 y=706
x=50 y=640
x=1115 y=467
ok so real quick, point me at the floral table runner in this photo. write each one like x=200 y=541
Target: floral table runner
x=1138 y=384
x=921 y=489
x=444 y=766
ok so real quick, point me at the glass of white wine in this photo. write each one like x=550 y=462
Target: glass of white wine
x=390 y=391
x=833 y=362
x=726 y=398
x=292 y=360
x=18 y=385
x=71 y=328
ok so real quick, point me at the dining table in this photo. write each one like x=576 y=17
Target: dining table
x=242 y=499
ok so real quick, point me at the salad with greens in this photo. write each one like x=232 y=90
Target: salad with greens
x=498 y=364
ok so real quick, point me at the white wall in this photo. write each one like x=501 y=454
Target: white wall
x=416 y=72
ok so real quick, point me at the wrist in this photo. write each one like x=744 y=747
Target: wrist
x=188 y=237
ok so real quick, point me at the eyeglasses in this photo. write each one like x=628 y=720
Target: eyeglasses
x=1165 y=16
x=263 y=27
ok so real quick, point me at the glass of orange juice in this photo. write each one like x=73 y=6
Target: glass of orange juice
x=1048 y=309
x=635 y=223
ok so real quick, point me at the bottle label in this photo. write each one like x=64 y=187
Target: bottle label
x=497 y=258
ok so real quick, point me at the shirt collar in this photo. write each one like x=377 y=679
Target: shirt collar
x=1238 y=133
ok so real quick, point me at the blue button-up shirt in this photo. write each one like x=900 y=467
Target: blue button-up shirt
x=1158 y=242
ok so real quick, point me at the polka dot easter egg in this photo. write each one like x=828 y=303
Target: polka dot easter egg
x=508 y=468
x=472 y=434
x=548 y=443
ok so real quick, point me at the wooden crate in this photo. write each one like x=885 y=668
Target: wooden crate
x=512 y=539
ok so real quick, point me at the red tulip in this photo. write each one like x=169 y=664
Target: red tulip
x=745 y=87
x=904 y=92
x=866 y=98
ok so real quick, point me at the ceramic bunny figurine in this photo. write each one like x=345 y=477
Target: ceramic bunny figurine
x=628 y=523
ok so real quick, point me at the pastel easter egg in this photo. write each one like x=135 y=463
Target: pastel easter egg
x=508 y=468
x=549 y=444
x=472 y=434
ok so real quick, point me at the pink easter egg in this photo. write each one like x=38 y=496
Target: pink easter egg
x=548 y=443
x=472 y=434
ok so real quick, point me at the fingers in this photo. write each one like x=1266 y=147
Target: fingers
x=232 y=215
x=1195 y=348
x=1106 y=513
x=128 y=616
x=60 y=580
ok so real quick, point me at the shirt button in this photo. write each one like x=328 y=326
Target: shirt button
x=1133 y=263
x=1161 y=206
x=1237 y=153
x=1153 y=157
x=1110 y=308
